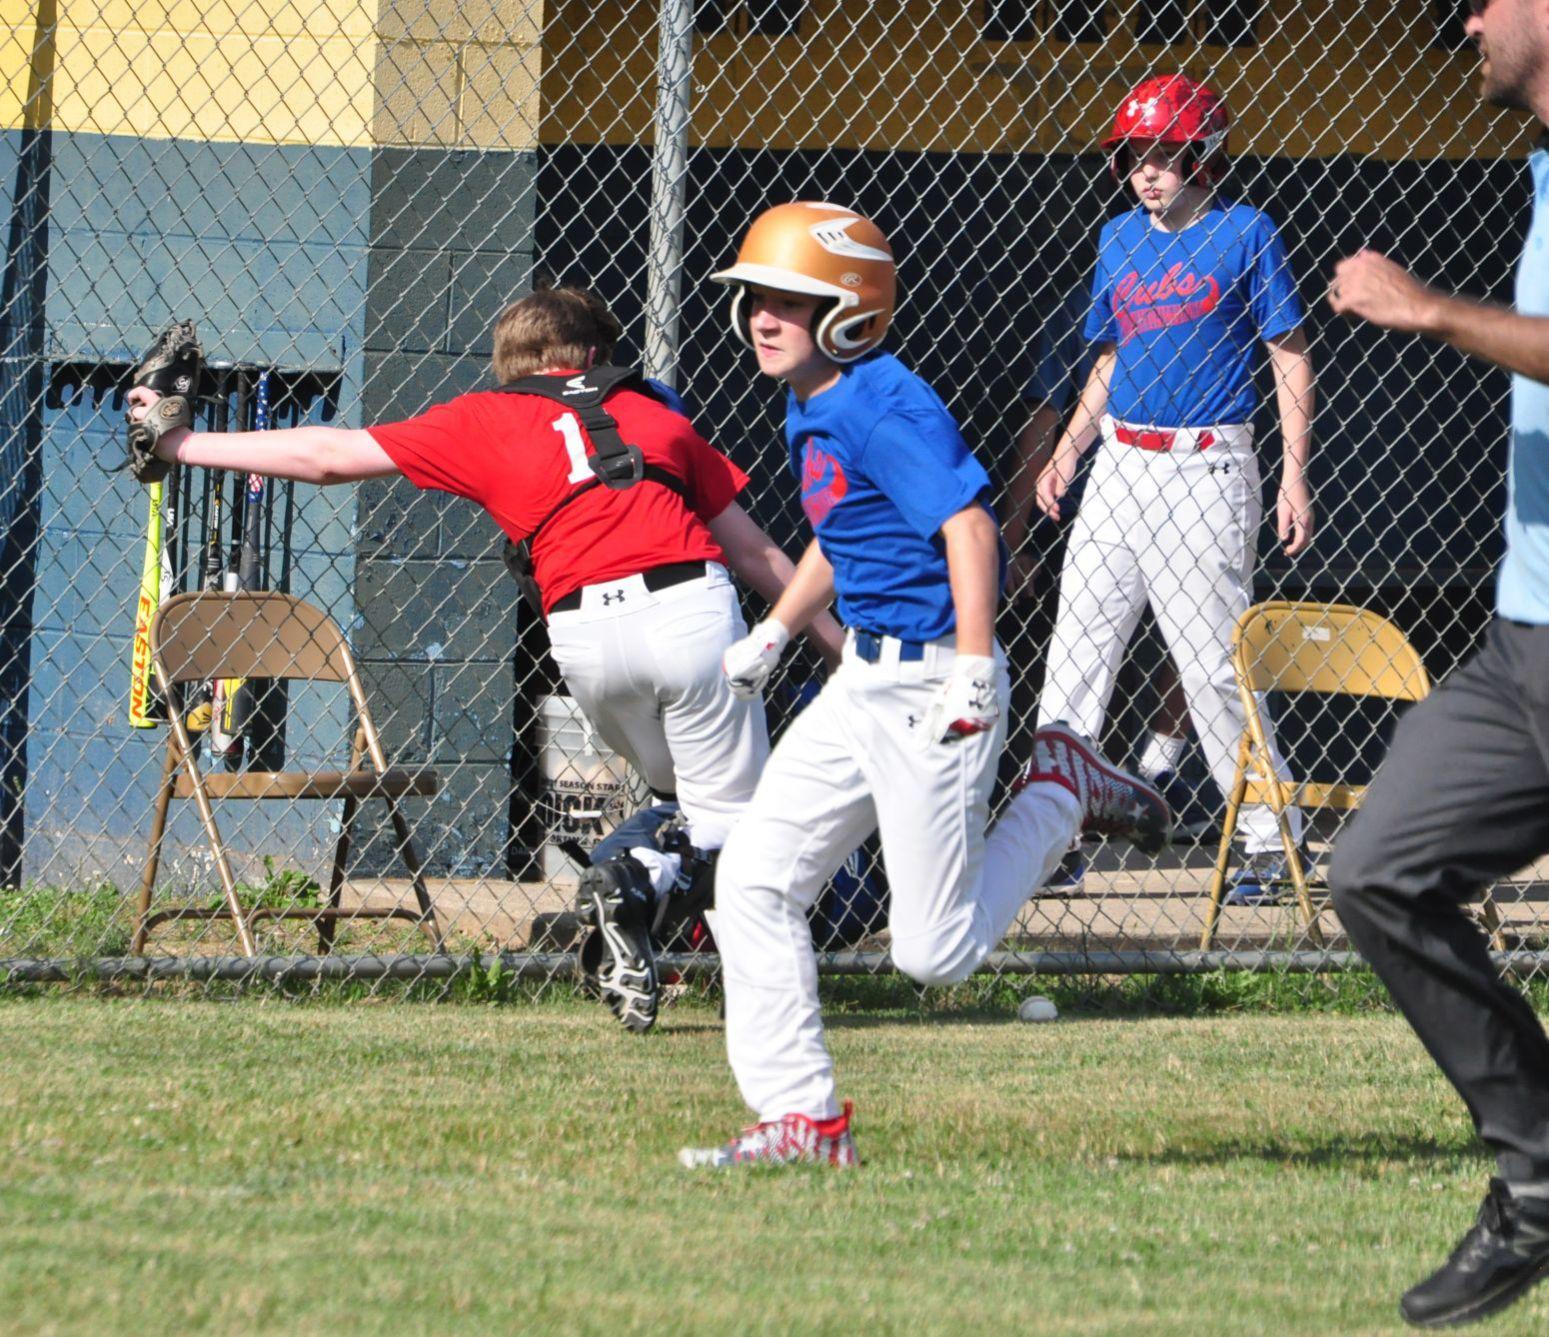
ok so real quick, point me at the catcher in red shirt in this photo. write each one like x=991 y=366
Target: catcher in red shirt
x=623 y=522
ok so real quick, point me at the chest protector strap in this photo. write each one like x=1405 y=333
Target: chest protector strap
x=614 y=463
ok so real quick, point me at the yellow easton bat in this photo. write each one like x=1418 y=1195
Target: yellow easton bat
x=146 y=709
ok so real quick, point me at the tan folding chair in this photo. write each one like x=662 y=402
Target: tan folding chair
x=201 y=637
x=1333 y=649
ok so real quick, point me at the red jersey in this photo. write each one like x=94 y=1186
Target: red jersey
x=519 y=456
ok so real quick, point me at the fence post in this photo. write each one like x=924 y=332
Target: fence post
x=669 y=189
x=23 y=377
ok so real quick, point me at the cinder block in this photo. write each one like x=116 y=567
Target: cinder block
x=400 y=385
x=407 y=299
x=433 y=611
x=401 y=696
x=473 y=712
x=484 y=283
x=395 y=519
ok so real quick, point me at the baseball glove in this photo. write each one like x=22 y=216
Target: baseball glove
x=171 y=368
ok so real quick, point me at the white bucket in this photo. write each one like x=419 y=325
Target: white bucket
x=587 y=789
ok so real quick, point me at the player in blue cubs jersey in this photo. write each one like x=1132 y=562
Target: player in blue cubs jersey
x=904 y=737
x=1061 y=364
x=1186 y=290
x=1189 y=309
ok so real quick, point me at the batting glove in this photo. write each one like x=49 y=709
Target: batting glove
x=966 y=703
x=748 y=663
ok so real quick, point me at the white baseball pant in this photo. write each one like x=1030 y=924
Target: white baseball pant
x=1179 y=528
x=645 y=668
x=849 y=765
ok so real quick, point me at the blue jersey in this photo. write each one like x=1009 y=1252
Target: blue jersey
x=882 y=466
x=1186 y=311
x=1522 y=593
x=670 y=397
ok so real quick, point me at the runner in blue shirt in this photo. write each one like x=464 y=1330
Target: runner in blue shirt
x=904 y=738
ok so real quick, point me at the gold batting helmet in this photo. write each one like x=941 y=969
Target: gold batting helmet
x=819 y=250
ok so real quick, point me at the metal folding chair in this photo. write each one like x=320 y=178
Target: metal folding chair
x=1332 y=649
x=201 y=637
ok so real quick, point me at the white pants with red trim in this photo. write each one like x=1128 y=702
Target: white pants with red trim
x=645 y=668
x=1177 y=528
x=849 y=765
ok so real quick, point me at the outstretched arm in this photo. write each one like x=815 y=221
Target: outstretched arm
x=1369 y=286
x=810 y=589
x=307 y=454
x=1034 y=450
x=749 y=662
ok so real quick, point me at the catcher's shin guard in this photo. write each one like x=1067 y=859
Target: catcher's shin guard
x=617 y=960
x=680 y=914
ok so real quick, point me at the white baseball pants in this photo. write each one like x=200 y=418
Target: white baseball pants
x=1179 y=528
x=645 y=668
x=849 y=765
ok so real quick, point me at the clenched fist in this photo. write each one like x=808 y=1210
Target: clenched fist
x=748 y=663
x=967 y=703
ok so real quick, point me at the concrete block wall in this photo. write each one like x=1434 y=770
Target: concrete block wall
x=451 y=244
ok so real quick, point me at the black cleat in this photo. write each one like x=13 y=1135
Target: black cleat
x=616 y=959
x=1503 y=1255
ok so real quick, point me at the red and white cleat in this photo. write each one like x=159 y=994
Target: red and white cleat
x=793 y=1140
x=1113 y=802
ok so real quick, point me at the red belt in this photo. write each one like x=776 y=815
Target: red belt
x=1128 y=436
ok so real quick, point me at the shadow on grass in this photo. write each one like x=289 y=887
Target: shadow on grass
x=1341 y=1149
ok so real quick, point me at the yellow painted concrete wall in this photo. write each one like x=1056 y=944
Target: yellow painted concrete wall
x=1327 y=78
x=336 y=73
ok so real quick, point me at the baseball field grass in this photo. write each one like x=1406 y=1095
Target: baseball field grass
x=265 y=1166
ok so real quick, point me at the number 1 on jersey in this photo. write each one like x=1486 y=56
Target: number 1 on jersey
x=575 y=447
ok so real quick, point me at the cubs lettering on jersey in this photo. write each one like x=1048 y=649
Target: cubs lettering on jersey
x=823 y=484
x=1142 y=307
x=1187 y=311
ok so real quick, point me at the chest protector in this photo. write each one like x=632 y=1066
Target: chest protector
x=615 y=464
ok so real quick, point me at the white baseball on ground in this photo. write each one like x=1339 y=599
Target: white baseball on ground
x=1037 y=1008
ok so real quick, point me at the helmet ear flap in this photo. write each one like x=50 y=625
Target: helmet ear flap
x=842 y=337
x=821 y=315
x=739 y=313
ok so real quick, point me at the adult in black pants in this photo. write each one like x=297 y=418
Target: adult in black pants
x=1463 y=797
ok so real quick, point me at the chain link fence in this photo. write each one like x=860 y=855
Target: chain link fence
x=345 y=195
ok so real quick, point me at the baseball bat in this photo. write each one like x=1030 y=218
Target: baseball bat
x=143 y=700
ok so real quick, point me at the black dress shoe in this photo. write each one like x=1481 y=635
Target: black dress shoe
x=1504 y=1253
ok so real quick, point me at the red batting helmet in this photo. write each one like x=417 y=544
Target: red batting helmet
x=1173 y=109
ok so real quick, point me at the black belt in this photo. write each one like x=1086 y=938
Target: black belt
x=657 y=578
x=868 y=646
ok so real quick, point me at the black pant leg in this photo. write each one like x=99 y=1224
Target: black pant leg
x=1461 y=801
